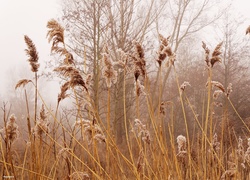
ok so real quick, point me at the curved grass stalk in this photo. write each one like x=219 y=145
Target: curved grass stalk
x=238 y=114
x=204 y=133
x=185 y=121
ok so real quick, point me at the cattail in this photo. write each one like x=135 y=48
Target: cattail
x=22 y=82
x=108 y=71
x=42 y=126
x=32 y=54
x=79 y=176
x=248 y=30
x=11 y=131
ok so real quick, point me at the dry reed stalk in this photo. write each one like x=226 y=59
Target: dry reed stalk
x=33 y=60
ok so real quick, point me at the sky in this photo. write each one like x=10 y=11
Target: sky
x=19 y=18
x=29 y=17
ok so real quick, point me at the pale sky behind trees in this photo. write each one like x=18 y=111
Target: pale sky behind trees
x=29 y=17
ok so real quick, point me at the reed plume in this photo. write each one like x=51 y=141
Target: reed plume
x=182 y=149
x=62 y=95
x=75 y=78
x=215 y=55
x=32 y=54
x=91 y=130
x=22 y=82
x=42 y=125
x=141 y=131
x=11 y=131
x=164 y=50
x=108 y=71
x=218 y=85
x=33 y=60
x=139 y=61
x=56 y=35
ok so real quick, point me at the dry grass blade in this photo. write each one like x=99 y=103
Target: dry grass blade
x=22 y=82
x=248 y=30
x=32 y=54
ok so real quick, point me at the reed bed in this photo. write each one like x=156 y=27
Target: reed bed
x=81 y=144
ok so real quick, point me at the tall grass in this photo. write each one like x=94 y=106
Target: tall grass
x=84 y=146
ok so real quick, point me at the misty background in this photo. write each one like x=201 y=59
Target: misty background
x=29 y=17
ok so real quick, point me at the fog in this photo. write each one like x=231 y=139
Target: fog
x=29 y=17
x=19 y=18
